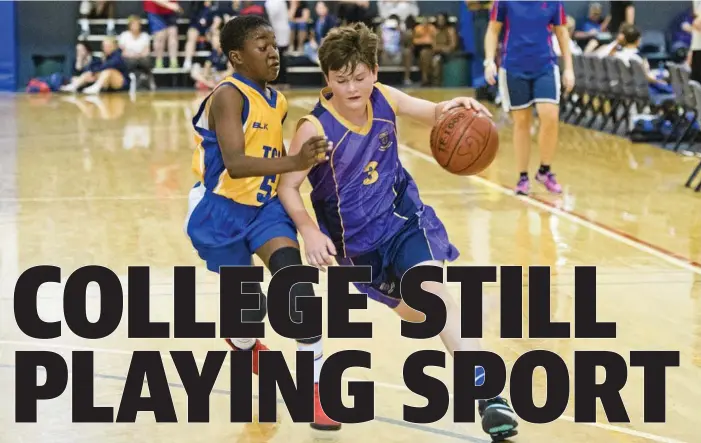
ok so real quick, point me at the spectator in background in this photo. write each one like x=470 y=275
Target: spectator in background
x=621 y=12
x=445 y=42
x=163 y=26
x=574 y=47
x=95 y=9
x=110 y=75
x=84 y=60
x=694 y=58
x=215 y=69
x=631 y=51
x=136 y=50
x=480 y=22
x=223 y=11
x=200 y=21
x=299 y=23
x=279 y=19
x=391 y=48
x=399 y=8
x=353 y=11
x=322 y=25
x=610 y=49
x=681 y=32
x=253 y=8
x=592 y=26
x=423 y=39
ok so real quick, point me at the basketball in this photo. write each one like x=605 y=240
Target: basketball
x=464 y=141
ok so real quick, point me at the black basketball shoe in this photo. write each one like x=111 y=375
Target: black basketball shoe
x=498 y=419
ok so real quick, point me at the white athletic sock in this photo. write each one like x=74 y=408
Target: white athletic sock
x=243 y=343
x=110 y=24
x=318 y=349
x=85 y=25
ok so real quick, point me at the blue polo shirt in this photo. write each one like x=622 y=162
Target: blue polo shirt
x=528 y=27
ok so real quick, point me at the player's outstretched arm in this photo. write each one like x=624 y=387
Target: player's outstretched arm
x=225 y=120
x=427 y=111
x=318 y=247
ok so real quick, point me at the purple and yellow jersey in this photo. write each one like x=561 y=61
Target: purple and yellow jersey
x=262 y=119
x=362 y=196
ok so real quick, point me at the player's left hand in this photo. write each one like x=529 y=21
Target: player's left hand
x=568 y=80
x=467 y=102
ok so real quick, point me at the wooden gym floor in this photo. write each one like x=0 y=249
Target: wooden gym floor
x=104 y=181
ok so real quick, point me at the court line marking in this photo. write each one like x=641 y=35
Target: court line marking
x=604 y=426
x=642 y=245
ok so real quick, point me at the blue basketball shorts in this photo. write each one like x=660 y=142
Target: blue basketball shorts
x=158 y=22
x=422 y=238
x=226 y=233
x=520 y=91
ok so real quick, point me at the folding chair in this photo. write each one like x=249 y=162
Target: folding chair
x=576 y=98
x=627 y=85
x=592 y=91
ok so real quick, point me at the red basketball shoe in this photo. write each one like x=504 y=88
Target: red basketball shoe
x=321 y=421
x=259 y=346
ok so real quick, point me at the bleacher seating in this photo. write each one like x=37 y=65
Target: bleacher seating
x=608 y=94
x=179 y=77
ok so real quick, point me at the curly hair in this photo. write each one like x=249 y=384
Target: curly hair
x=346 y=47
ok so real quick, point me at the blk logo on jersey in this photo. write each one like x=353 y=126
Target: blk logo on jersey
x=259 y=125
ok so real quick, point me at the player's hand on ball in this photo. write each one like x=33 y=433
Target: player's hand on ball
x=319 y=248
x=568 y=79
x=467 y=102
x=313 y=151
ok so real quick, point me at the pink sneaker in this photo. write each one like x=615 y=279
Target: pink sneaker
x=548 y=179
x=524 y=186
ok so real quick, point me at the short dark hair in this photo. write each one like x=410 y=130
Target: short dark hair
x=631 y=34
x=237 y=30
x=348 y=46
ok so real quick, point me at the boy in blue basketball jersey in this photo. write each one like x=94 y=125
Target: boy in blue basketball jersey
x=367 y=206
x=233 y=210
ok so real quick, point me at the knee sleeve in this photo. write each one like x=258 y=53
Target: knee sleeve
x=289 y=256
x=254 y=315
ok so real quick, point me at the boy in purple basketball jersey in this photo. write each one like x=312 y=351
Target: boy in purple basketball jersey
x=367 y=206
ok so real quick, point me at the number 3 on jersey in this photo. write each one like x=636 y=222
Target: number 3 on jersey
x=266 y=187
x=371 y=171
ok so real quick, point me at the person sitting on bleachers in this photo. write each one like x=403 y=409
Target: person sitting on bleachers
x=163 y=27
x=253 y=8
x=574 y=47
x=91 y=9
x=216 y=68
x=445 y=42
x=200 y=21
x=594 y=24
x=110 y=75
x=423 y=39
x=299 y=15
x=610 y=49
x=136 y=50
x=398 y=8
x=630 y=51
x=322 y=25
x=390 y=33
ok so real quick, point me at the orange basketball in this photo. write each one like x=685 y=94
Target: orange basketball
x=464 y=141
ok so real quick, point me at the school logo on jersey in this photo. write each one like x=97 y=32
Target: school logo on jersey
x=385 y=143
